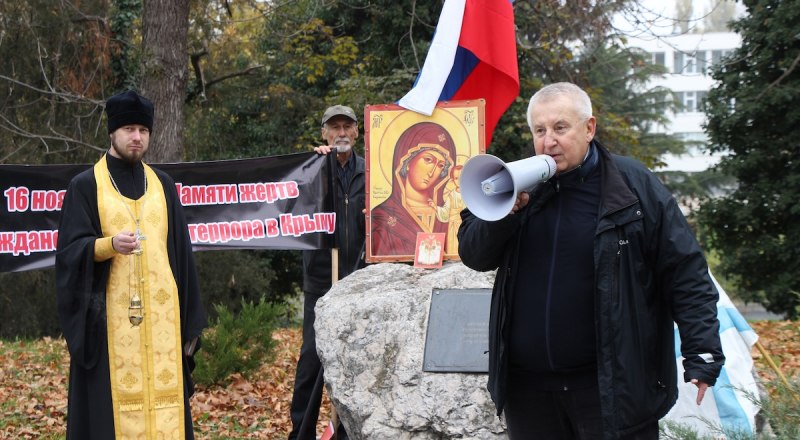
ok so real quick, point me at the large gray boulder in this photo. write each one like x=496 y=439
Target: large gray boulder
x=371 y=330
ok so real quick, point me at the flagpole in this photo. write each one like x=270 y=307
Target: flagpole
x=777 y=370
x=334 y=280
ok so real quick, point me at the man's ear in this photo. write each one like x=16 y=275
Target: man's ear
x=591 y=128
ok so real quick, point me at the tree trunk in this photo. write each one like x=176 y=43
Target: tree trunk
x=164 y=34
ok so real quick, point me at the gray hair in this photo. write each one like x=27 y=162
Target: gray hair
x=582 y=101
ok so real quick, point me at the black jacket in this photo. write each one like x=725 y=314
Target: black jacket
x=350 y=231
x=650 y=271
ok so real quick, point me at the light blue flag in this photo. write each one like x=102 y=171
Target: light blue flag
x=729 y=407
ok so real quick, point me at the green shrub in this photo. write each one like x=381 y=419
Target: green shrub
x=28 y=299
x=28 y=305
x=237 y=343
x=228 y=276
x=782 y=409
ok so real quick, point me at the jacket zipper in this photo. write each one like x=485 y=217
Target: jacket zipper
x=345 y=252
x=346 y=229
x=617 y=264
x=548 y=301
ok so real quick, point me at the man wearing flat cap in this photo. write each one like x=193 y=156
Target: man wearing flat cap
x=340 y=131
x=127 y=291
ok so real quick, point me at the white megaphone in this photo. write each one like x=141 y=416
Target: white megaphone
x=490 y=186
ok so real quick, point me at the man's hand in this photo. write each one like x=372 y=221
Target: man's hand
x=125 y=242
x=323 y=149
x=522 y=200
x=701 y=390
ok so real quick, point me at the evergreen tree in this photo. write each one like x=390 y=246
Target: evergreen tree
x=575 y=42
x=753 y=115
x=628 y=111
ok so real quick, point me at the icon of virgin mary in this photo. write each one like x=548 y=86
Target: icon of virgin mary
x=423 y=156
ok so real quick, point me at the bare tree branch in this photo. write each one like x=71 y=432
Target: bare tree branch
x=62 y=95
x=244 y=72
x=12 y=153
x=201 y=88
x=19 y=131
x=411 y=33
x=199 y=74
x=83 y=18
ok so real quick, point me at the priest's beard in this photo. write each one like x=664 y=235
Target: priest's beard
x=131 y=153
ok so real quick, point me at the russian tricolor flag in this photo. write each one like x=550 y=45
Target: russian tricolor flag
x=473 y=55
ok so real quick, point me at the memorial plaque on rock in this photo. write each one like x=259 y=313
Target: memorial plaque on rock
x=458 y=331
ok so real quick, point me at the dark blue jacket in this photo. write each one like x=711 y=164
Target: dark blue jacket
x=649 y=272
x=350 y=232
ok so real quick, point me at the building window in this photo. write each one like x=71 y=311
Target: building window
x=702 y=62
x=685 y=64
x=690 y=64
x=700 y=97
x=658 y=59
x=716 y=57
x=691 y=102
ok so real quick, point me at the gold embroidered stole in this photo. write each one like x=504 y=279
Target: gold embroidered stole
x=145 y=361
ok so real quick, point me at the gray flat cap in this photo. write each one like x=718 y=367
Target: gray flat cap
x=338 y=110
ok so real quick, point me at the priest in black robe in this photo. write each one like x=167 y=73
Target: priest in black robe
x=128 y=298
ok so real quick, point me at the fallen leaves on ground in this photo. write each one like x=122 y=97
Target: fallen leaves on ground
x=33 y=394
x=258 y=407
x=33 y=387
x=781 y=343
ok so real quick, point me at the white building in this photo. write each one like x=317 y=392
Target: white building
x=688 y=59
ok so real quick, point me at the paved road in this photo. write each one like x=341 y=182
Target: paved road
x=755 y=312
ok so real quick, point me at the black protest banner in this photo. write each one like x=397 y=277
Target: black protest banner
x=278 y=202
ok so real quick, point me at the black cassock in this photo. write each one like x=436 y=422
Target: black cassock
x=81 y=292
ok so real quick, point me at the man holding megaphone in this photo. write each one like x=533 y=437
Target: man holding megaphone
x=594 y=266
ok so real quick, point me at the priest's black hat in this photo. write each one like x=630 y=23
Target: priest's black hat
x=129 y=108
